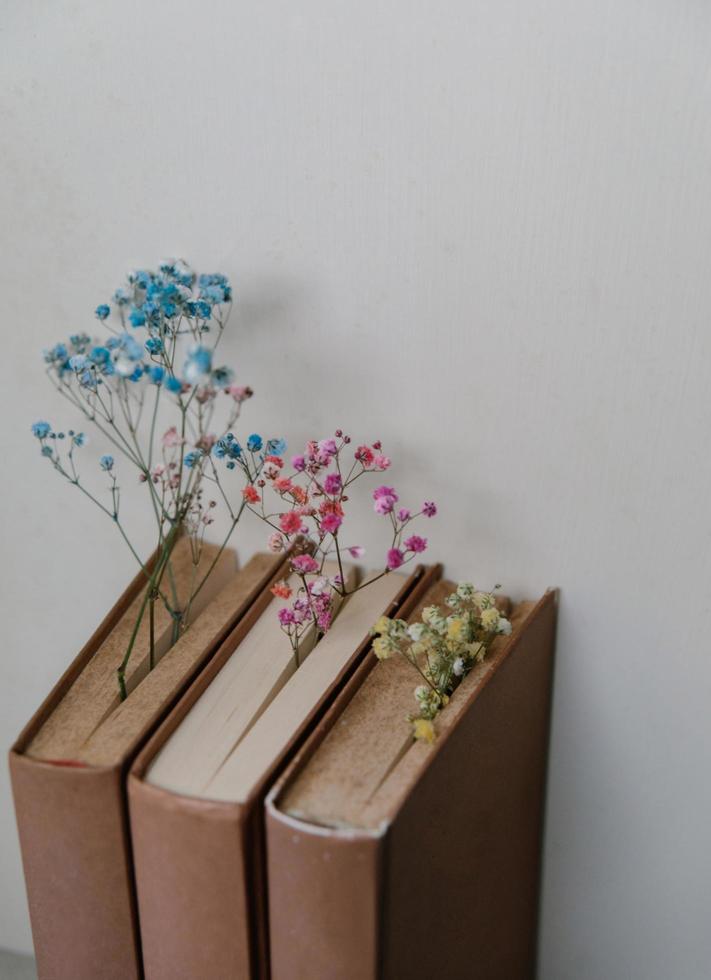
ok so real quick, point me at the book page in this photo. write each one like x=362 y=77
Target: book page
x=252 y=677
x=268 y=738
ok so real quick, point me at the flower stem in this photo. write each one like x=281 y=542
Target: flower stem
x=155 y=578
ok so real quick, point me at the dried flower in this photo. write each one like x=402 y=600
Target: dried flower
x=282 y=590
x=442 y=649
x=157 y=319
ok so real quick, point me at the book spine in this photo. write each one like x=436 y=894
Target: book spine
x=464 y=850
x=190 y=857
x=325 y=900
x=75 y=852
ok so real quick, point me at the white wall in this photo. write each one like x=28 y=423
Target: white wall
x=479 y=229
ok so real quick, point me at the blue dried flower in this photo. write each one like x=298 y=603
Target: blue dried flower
x=227 y=446
x=154 y=345
x=198 y=364
x=254 y=443
x=41 y=430
x=222 y=377
x=192 y=458
x=276 y=447
x=78 y=362
x=173 y=384
x=102 y=311
x=106 y=463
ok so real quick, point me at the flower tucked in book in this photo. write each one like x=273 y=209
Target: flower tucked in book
x=442 y=648
x=157 y=358
x=307 y=510
x=158 y=349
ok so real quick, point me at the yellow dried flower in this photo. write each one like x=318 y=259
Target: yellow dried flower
x=455 y=628
x=424 y=730
x=382 y=625
x=483 y=600
x=490 y=618
x=381 y=648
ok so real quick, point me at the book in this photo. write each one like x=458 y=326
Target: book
x=196 y=790
x=391 y=858
x=68 y=766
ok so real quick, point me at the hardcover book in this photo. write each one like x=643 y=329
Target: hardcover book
x=390 y=858
x=196 y=791
x=68 y=767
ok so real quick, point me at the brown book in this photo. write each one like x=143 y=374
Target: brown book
x=196 y=790
x=68 y=767
x=389 y=858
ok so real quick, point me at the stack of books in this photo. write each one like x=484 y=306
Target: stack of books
x=236 y=817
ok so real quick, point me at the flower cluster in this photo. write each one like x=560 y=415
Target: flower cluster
x=161 y=331
x=159 y=314
x=305 y=506
x=442 y=648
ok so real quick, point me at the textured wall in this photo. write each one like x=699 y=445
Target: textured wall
x=478 y=229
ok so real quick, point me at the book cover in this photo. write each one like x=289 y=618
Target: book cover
x=200 y=862
x=71 y=811
x=430 y=866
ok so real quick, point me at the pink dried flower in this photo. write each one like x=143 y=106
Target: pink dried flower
x=395 y=559
x=290 y=523
x=429 y=509
x=385 y=499
x=332 y=483
x=299 y=463
x=384 y=492
x=275 y=543
x=365 y=455
x=171 y=438
x=286 y=617
x=282 y=590
x=304 y=564
x=356 y=551
x=331 y=507
x=240 y=393
x=328 y=447
x=250 y=494
x=416 y=543
x=381 y=462
x=403 y=515
x=206 y=442
x=330 y=523
x=204 y=395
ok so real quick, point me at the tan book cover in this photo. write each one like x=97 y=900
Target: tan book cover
x=199 y=860
x=389 y=858
x=68 y=774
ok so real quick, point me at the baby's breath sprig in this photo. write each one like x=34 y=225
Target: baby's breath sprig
x=157 y=349
x=442 y=648
x=305 y=507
